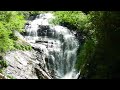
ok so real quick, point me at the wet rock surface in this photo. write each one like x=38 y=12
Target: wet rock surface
x=23 y=64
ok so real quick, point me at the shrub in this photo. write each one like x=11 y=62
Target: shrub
x=75 y=20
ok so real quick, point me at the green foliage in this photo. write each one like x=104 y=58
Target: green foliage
x=5 y=42
x=86 y=53
x=105 y=58
x=3 y=63
x=10 y=76
x=9 y=21
x=1 y=70
x=75 y=20
x=22 y=47
x=27 y=14
x=12 y=20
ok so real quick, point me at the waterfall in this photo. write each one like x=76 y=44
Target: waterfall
x=58 y=44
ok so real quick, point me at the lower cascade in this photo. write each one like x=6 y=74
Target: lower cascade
x=56 y=45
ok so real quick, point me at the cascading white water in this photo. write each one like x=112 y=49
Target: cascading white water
x=58 y=44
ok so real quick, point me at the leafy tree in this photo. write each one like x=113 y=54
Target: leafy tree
x=9 y=21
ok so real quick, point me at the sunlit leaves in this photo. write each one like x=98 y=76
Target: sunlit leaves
x=76 y=19
x=9 y=21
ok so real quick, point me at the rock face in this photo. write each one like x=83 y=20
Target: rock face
x=25 y=65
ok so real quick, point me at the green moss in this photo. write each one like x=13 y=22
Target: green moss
x=10 y=76
x=3 y=63
x=23 y=47
x=86 y=53
x=1 y=70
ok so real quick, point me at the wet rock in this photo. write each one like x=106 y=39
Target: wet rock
x=20 y=66
x=32 y=17
x=42 y=74
x=26 y=65
x=1 y=58
x=44 y=27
